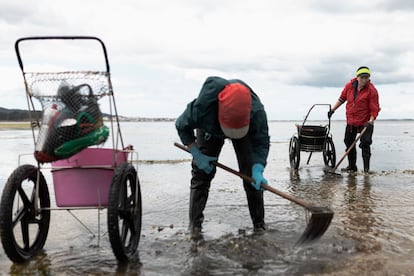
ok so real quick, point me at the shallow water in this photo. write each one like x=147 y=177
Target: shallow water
x=371 y=232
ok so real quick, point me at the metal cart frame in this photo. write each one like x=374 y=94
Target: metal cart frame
x=312 y=138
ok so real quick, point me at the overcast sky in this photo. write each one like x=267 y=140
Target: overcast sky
x=292 y=53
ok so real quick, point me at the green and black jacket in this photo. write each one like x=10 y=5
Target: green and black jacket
x=202 y=113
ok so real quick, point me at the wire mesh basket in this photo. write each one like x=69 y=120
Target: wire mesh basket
x=71 y=118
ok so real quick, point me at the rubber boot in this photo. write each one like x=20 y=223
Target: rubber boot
x=351 y=162
x=198 y=200
x=256 y=209
x=366 y=164
x=366 y=156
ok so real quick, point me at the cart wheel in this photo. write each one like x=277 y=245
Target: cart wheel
x=124 y=212
x=329 y=155
x=294 y=152
x=23 y=227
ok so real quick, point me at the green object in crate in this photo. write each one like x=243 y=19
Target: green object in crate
x=95 y=137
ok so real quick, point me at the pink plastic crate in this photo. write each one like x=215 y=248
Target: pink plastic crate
x=85 y=178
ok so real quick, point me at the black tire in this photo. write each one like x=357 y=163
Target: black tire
x=124 y=212
x=294 y=152
x=23 y=229
x=329 y=154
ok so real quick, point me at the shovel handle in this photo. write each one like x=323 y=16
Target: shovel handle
x=249 y=179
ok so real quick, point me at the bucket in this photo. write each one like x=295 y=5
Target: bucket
x=311 y=137
x=84 y=179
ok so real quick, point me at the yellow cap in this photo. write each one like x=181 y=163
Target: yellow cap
x=363 y=70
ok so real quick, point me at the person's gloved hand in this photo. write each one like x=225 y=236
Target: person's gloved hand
x=330 y=113
x=257 y=175
x=369 y=124
x=202 y=161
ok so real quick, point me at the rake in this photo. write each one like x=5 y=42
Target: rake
x=319 y=221
x=332 y=170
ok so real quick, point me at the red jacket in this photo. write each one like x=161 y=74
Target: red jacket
x=365 y=105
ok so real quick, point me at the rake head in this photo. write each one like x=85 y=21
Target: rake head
x=332 y=171
x=319 y=222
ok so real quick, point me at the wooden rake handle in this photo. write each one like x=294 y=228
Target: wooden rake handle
x=249 y=179
x=350 y=148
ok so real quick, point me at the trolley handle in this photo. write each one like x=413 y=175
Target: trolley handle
x=16 y=45
x=306 y=117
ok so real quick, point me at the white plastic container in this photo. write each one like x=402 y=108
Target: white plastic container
x=49 y=116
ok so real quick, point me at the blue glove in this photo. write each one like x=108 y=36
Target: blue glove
x=202 y=161
x=257 y=175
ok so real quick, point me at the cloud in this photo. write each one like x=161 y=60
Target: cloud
x=160 y=52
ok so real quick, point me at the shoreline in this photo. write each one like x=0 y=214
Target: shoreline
x=26 y=124
x=14 y=125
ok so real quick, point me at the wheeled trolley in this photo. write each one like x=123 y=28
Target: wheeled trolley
x=312 y=138
x=70 y=135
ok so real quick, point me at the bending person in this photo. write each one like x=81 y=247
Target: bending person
x=225 y=109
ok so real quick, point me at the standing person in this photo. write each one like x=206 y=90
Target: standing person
x=362 y=109
x=225 y=109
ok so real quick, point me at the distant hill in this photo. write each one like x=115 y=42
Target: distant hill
x=21 y=115
x=15 y=114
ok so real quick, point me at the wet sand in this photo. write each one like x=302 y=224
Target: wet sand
x=370 y=233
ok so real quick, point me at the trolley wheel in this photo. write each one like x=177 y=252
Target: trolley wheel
x=294 y=152
x=23 y=228
x=329 y=154
x=124 y=212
